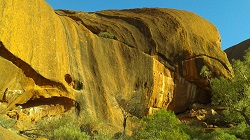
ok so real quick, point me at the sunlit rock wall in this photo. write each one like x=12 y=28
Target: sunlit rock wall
x=152 y=62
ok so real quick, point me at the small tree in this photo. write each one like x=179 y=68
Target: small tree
x=206 y=73
x=126 y=108
x=234 y=92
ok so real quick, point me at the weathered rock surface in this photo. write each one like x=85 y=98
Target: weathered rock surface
x=237 y=51
x=54 y=58
x=6 y=134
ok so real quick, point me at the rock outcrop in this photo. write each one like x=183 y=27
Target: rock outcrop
x=6 y=134
x=148 y=59
x=237 y=51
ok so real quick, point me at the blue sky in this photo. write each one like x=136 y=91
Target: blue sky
x=231 y=17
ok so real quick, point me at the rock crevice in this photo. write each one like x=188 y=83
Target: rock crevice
x=28 y=70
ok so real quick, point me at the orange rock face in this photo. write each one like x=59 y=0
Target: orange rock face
x=148 y=58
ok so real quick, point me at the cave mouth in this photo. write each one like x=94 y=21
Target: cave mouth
x=78 y=85
x=75 y=84
x=67 y=103
x=68 y=79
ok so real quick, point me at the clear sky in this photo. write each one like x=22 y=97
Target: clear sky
x=231 y=17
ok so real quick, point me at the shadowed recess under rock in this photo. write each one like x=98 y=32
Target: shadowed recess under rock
x=28 y=70
x=67 y=103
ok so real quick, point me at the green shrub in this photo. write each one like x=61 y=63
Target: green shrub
x=70 y=132
x=165 y=125
x=234 y=92
x=240 y=131
x=47 y=126
x=198 y=133
x=161 y=125
x=247 y=133
x=229 y=118
x=217 y=135
x=68 y=127
x=7 y=123
x=106 y=35
x=4 y=121
x=194 y=131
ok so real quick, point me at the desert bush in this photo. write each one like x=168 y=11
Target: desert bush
x=165 y=125
x=197 y=132
x=193 y=130
x=7 y=123
x=241 y=131
x=161 y=125
x=247 y=133
x=217 y=135
x=69 y=126
x=234 y=119
x=4 y=121
x=47 y=126
x=69 y=132
x=106 y=35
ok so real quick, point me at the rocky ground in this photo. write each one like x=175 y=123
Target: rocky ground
x=208 y=116
x=8 y=134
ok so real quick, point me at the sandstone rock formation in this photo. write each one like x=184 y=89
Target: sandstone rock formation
x=8 y=134
x=152 y=59
x=237 y=51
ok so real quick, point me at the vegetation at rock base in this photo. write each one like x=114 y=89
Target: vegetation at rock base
x=235 y=92
x=69 y=127
x=5 y=122
x=165 y=125
x=106 y=35
x=161 y=125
